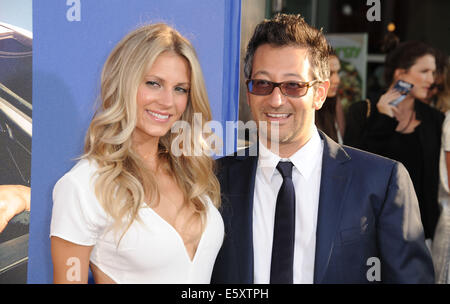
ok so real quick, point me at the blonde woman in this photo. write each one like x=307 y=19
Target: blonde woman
x=129 y=209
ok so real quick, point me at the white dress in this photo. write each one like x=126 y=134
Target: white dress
x=151 y=251
x=441 y=241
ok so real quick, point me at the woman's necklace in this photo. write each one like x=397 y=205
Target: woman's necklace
x=409 y=122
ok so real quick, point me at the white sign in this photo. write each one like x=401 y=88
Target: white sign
x=352 y=51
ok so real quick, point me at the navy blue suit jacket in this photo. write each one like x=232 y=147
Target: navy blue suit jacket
x=367 y=208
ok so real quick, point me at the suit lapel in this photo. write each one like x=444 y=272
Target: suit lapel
x=242 y=177
x=335 y=179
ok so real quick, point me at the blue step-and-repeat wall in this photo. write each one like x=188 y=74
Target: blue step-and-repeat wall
x=72 y=40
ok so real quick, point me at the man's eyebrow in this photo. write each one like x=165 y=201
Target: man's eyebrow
x=285 y=75
x=293 y=74
x=261 y=73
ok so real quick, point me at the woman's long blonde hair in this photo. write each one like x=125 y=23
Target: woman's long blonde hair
x=123 y=184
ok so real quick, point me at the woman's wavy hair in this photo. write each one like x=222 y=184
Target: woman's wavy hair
x=402 y=55
x=123 y=184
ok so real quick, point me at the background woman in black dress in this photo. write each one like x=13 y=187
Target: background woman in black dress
x=411 y=131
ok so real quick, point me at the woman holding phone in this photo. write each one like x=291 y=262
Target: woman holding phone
x=410 y=131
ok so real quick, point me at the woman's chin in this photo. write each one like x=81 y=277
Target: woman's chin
x=420 y=95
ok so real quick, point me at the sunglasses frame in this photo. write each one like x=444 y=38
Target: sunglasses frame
x=279 y=85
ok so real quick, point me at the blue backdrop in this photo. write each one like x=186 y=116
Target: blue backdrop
x=72 y=40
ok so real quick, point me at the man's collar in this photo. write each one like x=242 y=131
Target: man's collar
x=305 y=159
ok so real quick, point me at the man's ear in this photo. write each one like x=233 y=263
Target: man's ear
x=321 y=94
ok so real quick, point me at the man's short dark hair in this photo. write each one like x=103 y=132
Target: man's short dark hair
x=290 y=30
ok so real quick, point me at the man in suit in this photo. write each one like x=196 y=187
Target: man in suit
x=305 y=209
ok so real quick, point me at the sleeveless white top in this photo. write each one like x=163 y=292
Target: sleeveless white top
x=444 y=192
x=151 y=251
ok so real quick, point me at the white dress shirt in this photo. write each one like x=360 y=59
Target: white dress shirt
x=306 y=178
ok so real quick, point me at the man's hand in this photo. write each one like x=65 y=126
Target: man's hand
x=14 y=199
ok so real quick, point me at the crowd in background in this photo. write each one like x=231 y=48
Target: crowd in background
x=415 y=132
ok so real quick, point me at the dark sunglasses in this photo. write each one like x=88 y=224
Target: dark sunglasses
x=288 y=88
